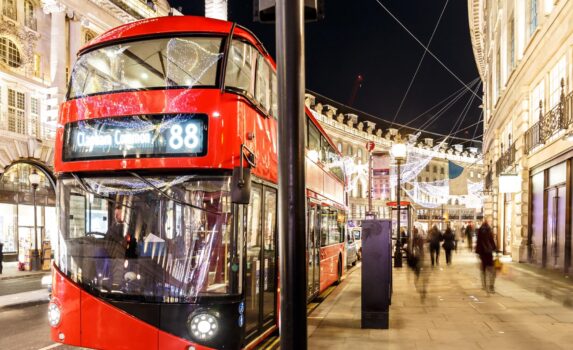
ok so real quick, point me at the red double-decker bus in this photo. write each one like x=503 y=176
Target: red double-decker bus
x=166 y=157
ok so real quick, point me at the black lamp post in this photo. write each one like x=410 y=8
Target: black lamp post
x=34 y=179
x=399 y=153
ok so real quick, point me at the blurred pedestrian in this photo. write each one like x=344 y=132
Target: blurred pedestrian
x=418 y=261
x=435 y=237
x=1 y=256
x=449 y=244
x=485 y=247
x=470 y=236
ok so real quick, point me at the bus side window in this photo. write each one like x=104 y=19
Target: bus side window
x=263 y=81
x=240 y=71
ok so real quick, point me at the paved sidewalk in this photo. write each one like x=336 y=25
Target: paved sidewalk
x=10 y=271
x=528 y=311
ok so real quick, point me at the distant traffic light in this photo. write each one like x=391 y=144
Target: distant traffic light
x=264 y=10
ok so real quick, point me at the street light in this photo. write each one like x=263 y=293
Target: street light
x=34 y=179
x=398 y=151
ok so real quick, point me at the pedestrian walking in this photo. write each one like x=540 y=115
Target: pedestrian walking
x=485 y=247
x=418 y=260
x=435 y=237
x=449 y=244
x=470 y=236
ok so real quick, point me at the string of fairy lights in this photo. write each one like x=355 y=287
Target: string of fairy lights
x=428 y=194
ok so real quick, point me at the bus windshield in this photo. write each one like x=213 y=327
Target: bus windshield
x=158 y=239
x=150 y=63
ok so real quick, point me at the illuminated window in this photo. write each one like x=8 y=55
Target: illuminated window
x=557 y=74
x=9 y=9
x=88 y=36
x=9 y=53
x=37 y=65
x=29 y=15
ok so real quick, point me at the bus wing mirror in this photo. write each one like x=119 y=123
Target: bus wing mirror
x=241 y=186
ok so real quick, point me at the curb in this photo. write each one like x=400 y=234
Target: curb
x=2 y=278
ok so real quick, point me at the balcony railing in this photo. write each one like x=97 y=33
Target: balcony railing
x=506 y=160
x=557 y=119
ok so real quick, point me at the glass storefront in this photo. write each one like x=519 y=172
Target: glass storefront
x=17 y=230
x=548 y=217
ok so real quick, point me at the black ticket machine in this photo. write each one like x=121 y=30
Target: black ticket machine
x=376 y=273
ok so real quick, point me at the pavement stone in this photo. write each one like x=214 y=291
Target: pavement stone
x=530 y=310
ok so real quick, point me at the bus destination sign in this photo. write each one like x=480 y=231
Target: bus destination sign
x=140 y=136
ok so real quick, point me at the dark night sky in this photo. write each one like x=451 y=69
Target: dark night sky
x=359 y=37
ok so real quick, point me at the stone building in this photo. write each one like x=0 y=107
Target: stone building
x=39 y=40
x=524 y=53
x=350 y=130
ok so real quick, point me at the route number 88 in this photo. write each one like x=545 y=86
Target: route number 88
x=188 y=137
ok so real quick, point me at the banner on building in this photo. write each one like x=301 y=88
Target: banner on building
x=458 y=179
x=380 y=175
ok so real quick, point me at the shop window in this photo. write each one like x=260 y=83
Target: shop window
x=9 y=53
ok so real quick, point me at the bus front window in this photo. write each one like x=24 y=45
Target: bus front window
x=154 y=239
x=152 y=63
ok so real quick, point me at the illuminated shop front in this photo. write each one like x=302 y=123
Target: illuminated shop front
x=17 y=210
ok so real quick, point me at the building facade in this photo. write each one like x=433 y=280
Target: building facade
x=39 y=40
x=524 y=54
x=350 y=130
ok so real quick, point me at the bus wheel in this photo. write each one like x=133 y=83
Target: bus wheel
x=339 y=279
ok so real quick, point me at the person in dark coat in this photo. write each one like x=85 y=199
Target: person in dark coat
x=1 y=256
x=469 y=231
x=449 y=244
x=435 y=237
x=485 y=247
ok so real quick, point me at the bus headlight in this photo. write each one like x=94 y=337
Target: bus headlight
x=54 y=314
x=203 y=326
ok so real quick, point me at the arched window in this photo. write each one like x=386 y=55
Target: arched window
x=9 y=53
x=88 y=36
x=350 y=150
x=29 y=15
x=360 y=194
x=360 y=153
x=339 y=146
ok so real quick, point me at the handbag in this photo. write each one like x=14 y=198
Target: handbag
x=497 y=264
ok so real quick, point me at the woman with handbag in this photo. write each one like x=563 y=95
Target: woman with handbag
x=485 y=247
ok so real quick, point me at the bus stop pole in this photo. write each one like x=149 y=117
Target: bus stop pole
x=291 y=154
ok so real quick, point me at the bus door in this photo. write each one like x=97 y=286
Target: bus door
x=261 y=260
x=313 y=250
